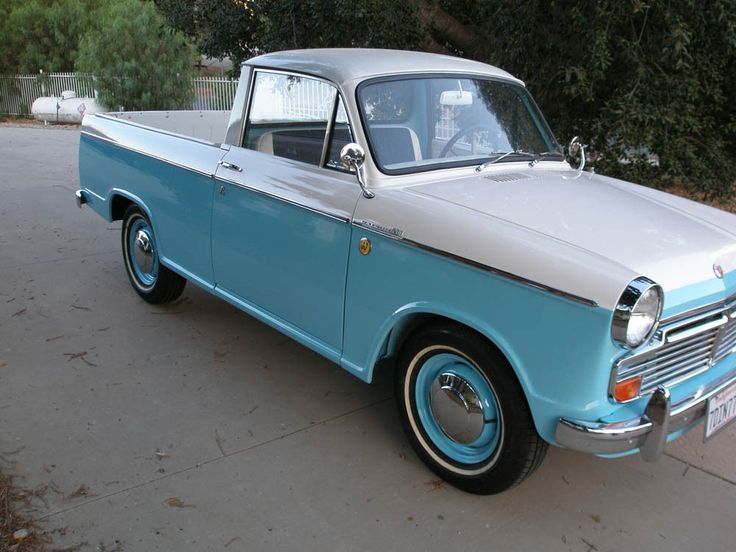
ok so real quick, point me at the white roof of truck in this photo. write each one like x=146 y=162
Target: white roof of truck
x=342 y=65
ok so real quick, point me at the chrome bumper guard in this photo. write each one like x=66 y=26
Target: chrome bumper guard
x=647 y=433
x=80 y=198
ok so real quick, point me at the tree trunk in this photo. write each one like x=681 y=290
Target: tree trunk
x=442 y=28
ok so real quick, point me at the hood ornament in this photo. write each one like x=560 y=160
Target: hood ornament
x=718 y=270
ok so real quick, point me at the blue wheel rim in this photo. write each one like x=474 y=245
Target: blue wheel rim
x=146 y=277
x=483 y=447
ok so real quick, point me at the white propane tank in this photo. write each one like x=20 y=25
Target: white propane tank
x=66 y=108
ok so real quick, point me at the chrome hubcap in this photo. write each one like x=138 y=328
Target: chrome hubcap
x=143 y=251
x=456 y=407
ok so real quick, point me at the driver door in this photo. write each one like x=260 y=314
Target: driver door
x=283 y=209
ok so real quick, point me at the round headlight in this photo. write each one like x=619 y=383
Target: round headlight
x=637 y=313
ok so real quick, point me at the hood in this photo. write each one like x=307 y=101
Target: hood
x=673 y=241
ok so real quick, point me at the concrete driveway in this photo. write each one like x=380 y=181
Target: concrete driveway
x=194 y=427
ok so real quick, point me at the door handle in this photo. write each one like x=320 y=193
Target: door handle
x=231 y=166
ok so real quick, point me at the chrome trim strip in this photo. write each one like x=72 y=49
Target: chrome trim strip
x=647 y=433
x=332 y=216
x=147 y=154
x=674 y=337
x=98 y=196
x=373 y=227
x=705 y=308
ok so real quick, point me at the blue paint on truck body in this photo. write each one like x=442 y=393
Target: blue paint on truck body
x=302 y=273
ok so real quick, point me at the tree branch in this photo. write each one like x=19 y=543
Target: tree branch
x=429 y=44
x=464 y=37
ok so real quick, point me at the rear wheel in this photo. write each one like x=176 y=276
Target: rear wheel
x=464 y=411
x=150 y=279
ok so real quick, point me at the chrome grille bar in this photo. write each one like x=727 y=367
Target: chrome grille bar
x=666 y=354
x=683 y=372
x=725 y=347
x=661 y=370
x=683 y=347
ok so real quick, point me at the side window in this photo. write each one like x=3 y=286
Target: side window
x=288 y=116
x=341 y=137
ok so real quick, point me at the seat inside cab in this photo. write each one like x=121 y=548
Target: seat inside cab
x=396 y=144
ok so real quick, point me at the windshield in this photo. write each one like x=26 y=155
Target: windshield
x=416 y=124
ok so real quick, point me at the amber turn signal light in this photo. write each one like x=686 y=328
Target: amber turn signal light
x=627 y=389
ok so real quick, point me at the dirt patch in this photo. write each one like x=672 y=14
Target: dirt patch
x=18 y=532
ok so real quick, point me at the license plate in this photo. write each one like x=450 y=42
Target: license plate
x=721 y=411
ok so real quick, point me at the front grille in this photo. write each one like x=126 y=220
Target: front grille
x=682 y=348
x=726 y=342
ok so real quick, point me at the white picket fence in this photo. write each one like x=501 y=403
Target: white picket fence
x=18 y=92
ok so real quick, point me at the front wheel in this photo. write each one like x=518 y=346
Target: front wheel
x=150 y=279
x=464 y=411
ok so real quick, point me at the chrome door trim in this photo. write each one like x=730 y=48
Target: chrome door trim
x=397 y=235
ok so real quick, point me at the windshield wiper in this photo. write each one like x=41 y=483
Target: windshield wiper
x=538 y=157
x=482 y=166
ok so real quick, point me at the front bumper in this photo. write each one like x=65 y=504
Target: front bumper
x=647 y=433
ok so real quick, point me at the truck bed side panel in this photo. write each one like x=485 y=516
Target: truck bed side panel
x=169 y=176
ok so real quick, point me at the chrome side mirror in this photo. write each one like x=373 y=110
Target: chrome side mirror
x=352 y=157
x=575 y=149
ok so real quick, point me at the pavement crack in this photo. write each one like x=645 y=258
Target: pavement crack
x=220 y=440
x=694 y=467
x=213 y=459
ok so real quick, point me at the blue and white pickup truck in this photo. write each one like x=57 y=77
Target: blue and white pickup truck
x=381 y=205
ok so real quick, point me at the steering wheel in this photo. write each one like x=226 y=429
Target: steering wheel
x=463 y=132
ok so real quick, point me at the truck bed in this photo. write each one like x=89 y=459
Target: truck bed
x=208 y=126
x=164 y=161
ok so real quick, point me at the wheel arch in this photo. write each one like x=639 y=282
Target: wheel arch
x=407 y=320
x=119 y=201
